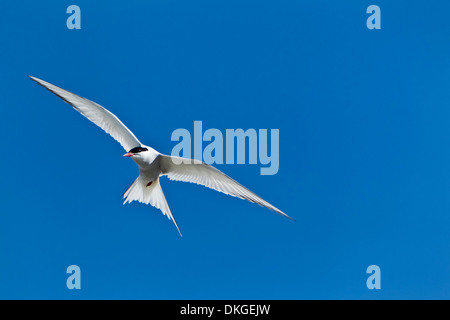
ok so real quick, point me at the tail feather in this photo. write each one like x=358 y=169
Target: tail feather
x=153 y=194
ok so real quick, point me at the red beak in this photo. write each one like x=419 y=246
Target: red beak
x=129 y=154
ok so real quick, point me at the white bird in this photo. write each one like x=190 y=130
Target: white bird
x=152 y=164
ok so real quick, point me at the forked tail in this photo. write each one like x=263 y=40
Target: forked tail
x=149 y=193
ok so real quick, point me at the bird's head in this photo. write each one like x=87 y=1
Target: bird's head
x=137 y=152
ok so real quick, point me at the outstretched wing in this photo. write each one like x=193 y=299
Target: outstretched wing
x=97 y=114
x=182 y=169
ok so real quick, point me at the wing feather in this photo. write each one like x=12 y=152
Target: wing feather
x=182 y=169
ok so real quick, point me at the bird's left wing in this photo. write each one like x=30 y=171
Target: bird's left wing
x=194 y=171
x=97 y=114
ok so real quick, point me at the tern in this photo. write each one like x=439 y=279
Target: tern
x=152 y=164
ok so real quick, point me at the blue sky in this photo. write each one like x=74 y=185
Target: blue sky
x=364 y=149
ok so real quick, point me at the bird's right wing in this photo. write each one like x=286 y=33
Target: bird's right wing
x=97 y=114
x=187 y=170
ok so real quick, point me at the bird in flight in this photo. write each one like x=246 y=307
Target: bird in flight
x=152 y=164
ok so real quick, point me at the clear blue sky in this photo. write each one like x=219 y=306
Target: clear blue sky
x=364 y=120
